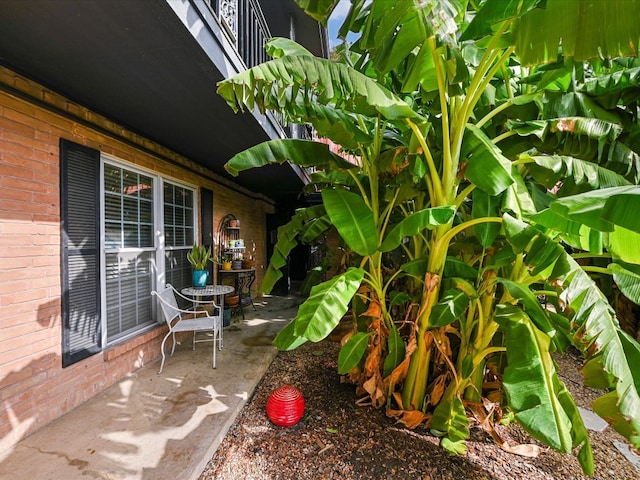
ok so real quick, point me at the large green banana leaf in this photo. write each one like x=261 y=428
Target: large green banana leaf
x=328 y=122
x=536 y=313
x=531 y=382
x=600 y=331
x=613 y=84
x=595 y=330
x=450 y=307
x=604 y=208
x=548 y=170
x=331 y=123
x=575 y=234
x=318 y=9
x=353 y=219
x=301 y=152
x=352 y=352
x=494 y=12
x=573 y=23
x=627 y=278
x=487 y=167
x=557 y=105
x=517 y=198
x=287 y=339
x=321 y=311
x=392 y=30
x=450 y=419
x=279 y=47
x=281 y=83
x=482 y=206
x=326 y=305
x=624 y=245
x=414 y=223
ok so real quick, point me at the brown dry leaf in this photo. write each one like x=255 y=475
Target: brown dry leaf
x=364 y=402
x=374 y=309
x=524 y=449
x=438 y=388
x=397 y=375
x=442 y=342
x=412 y=344
x=397 y=396
x=412 y=418
x=372 y=362
x=355 y=376
x=495 y=396
x=483 y=418
x=491 y=385
x=565 y=125
x=375 y=325
x=373 y=387
x=431 y=281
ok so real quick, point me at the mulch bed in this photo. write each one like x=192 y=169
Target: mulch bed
x=338 y=440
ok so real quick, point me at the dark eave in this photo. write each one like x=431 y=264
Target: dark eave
x=152 y=66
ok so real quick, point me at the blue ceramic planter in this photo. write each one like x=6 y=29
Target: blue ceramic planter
x=199 y=278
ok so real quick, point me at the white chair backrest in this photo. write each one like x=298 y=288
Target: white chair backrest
x=170 y=308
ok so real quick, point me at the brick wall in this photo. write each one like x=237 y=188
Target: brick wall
x=34 y=388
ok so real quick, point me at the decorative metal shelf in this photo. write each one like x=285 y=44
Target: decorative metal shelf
x=227 y=234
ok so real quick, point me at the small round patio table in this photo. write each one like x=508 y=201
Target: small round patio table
x=196 y=293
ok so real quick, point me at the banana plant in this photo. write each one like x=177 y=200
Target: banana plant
x=441 y=195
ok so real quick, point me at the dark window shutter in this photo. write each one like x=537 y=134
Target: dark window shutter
x=206 y=213
x=80 y=251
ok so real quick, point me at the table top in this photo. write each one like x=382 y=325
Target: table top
x=207 y=290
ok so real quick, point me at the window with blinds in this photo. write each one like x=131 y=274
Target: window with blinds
x=179 y=233
x=130 y=247
x=124 y=232
x=129 y=250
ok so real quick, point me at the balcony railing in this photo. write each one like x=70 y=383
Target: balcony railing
x=246 y=27
x=245 y=24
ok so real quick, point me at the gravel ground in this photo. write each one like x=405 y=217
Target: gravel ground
x=338 y=440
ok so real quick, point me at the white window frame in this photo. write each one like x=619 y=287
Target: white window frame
x=159 y=247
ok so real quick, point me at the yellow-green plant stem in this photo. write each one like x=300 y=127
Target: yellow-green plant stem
x=415 y=385
x=602 y=270
x=417 y=377
x=448 y=175
x=493 y=113
x=436 y=184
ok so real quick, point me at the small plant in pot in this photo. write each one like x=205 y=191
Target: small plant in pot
x=236 y=263
x=249 y=259
x=199 y=257
x=226 y=262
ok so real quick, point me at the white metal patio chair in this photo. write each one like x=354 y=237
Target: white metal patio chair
x=180 y=320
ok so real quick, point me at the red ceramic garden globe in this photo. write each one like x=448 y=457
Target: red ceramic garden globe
x=285 y=406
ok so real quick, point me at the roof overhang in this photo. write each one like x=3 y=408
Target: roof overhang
x=152 y=66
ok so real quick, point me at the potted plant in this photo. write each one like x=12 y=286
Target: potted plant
x=199 y=257
x=249 y=258
x=236 y=263
x=226 y=261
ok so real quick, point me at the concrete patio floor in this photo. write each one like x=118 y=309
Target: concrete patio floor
x=158 y=426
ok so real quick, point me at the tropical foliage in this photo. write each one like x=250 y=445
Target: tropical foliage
x=494 y=191
x=199 y=256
